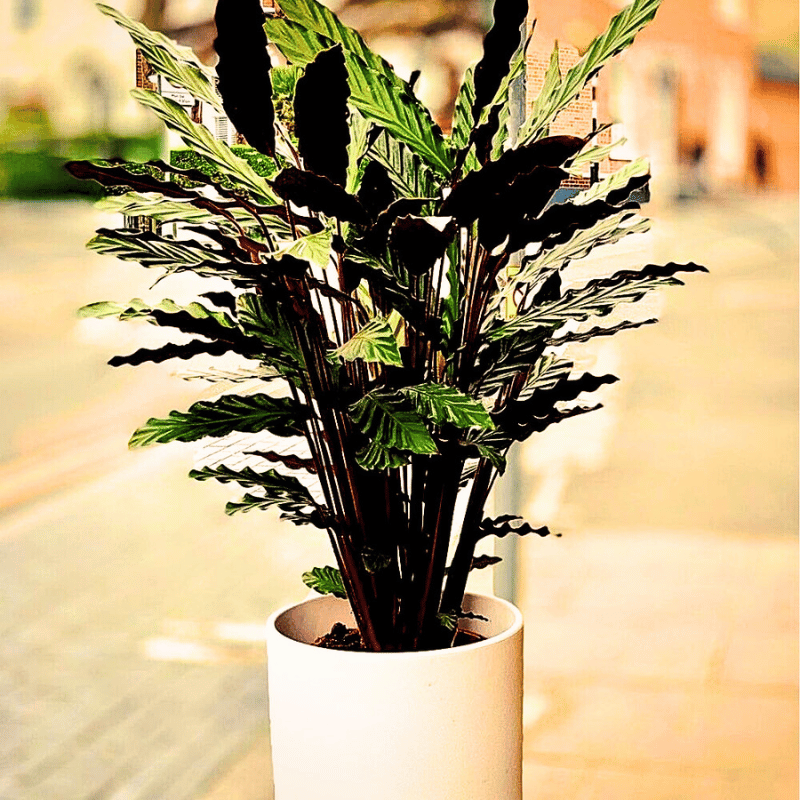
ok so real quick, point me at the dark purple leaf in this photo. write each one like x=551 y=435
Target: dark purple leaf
x=243 y=71
x=221 y=299
x=549 y=291
x=117 y=175
x=290 y=461
x=520 y=418
x=477 y=192
x=193 y=348
x=318 y=193
x=649 y=271
x=499 y=45
x=509 y=523
x=290 y=266
x=598 y=331
x=619 y=196
x=525 y=197
x=320 y=115
x=570 y=389
x=418 y=244
x=208 y=327
x=559 y=222
x=482 y=562
x=376 y=193
x=376 y=239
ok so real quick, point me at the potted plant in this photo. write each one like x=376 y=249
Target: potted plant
x=400 y=302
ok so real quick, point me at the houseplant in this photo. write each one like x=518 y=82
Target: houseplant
x=399 y=298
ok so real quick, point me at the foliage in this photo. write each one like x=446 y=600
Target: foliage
x=393 y=294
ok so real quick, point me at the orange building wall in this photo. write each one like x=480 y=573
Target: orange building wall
x=704 y=49
x=774 y=125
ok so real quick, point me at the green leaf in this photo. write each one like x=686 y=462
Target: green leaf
x=134 y=204
x=619 y=35
x=178 y=65
x=410 y=177
x=447 y=621
x=284 y=491
x=546 y=374
x=107 y=308
x=356 y=150
x=315 y=17
x=265 y=321
x=154 y=251
x=381 y=101
x=138 y=309
x=447 y=405
x=597 y=298
x=375 y=89
x=325 y=580
x=493 y=456
x=595 y=153
x=462 y=114
x=552 y=79
x=315 y=247
x=374 y=343
x=375 y=561
x=615 y=181
x=553 y=258
x=394 y=428
x=248 y=414
x=503 y=99
x=199 y=138
x=284 y=80
x=451 y=302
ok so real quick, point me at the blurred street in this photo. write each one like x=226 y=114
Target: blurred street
x=661 y=629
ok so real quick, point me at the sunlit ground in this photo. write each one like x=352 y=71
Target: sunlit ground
x=661 y=628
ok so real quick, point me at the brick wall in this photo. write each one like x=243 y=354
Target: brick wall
x=706 y=48
x=143 y=72
x=576 y=118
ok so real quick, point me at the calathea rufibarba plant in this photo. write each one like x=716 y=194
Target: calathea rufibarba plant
x=399 y=297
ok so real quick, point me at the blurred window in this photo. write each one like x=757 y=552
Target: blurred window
x=26 y=14
x=732 y=13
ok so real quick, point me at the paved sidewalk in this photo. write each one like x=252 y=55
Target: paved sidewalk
x=659 y=666
x=661 y=629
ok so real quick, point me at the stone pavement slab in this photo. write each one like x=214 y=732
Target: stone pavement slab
x=132 y=653
x=661 y=629
x=644 y=681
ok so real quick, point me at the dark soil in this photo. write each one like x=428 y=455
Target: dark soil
x=340 y=637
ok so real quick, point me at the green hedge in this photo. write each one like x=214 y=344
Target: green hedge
x=38 y=176
x=38 y=173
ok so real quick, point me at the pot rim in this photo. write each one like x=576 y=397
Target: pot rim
x=325 y=652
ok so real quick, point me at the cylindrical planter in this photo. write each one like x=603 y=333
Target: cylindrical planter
x=431 y=725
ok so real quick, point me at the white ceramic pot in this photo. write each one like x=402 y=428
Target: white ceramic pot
x=433 y=725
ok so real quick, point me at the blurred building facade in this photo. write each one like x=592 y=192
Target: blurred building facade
x=68 y=64
x=692 y=93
